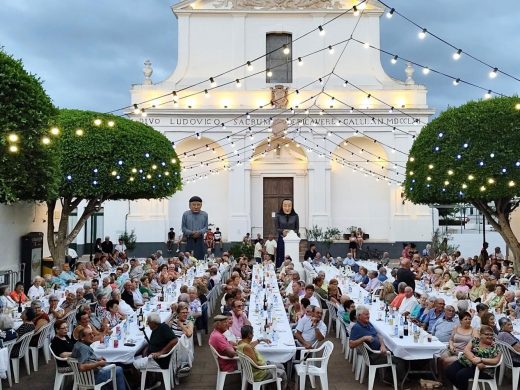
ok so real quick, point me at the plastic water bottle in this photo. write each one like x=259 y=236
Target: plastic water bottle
x=396 y=330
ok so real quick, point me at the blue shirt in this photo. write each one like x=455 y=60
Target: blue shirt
x=58 y=281
x=358 y=331
x=382 y=277
x=430 y=319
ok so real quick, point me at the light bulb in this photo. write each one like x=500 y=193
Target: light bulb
x=55 y=131
x=422 y=33
x=79 y=132
x=321 y=30
x=331 y=50
x=487 y=95
x=300 y=61
x=238 y=84
x=493 y=73
x=366 y=45
x=143 y=114
x=394 y=59
x=390 y=13
x=12 y=137
x=212 y=82
x=426 y=70
x=249 y=66
x=46 y=140
x=457 y=54
x=355 y=11
x=111 y=123
x=456 y=82
x=136 y=109
x=286 y=49
x=269 y=73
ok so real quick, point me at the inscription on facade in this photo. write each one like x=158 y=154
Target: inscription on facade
x=202 y=121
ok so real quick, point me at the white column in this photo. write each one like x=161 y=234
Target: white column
x=239 y=199
x=319 y=192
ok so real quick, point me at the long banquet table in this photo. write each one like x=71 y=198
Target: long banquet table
x=282 y=347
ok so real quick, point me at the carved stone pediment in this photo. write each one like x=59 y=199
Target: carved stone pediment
x=277 y=4
x=279 y=96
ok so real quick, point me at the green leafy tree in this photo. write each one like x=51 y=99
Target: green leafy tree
x=27 y=169
x=105 y=157
x=471 y=154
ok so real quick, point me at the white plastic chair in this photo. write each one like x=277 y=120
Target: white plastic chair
x=221 y=375
x=333 y=316
x=315 y=366
x=167 y=373
x=491 y=382
x=43 y=342
x=23 y=353
x=85 y=380
x=247 y=373
x=60 y=376
x=507 y=362
x=372 y=368
x=68 y=318
x=294 y=361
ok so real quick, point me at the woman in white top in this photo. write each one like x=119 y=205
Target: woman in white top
x=5 y=300
x=36 y=291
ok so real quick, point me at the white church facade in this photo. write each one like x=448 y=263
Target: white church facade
x=316 y=120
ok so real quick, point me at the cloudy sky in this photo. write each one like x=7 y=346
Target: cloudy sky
x=89 y=53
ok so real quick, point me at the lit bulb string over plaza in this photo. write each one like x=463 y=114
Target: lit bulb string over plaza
x=249 y=63
x=286 y=141
x=236 y=152
x=427 y=69
x=458 y=52
x=297 y=126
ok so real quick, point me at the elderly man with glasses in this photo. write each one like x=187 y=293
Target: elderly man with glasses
x=239 y=318
x=310 y=328
x=88 y=360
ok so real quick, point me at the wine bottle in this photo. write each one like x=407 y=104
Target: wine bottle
x=405 y=328
x=161 y=298
x=20 y=306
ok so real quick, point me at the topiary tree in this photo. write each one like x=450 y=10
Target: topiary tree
x=471 y=154
x=27 y=169
x=105 y=157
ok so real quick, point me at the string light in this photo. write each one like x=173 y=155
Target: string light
x=331 y=50
x=269 y=73
x=13 y=148
x=136 y=109
x=426 y=70
x=422 y=33
x=321 y=30
x=493 y=73
x=111 y=123
x=300 y=61
x=366 y=45
x=143 y=113
x=46 y=140
x=487 y=95
x=457 y=54
x=237 y=83
x=355 y=11
x=456 y=82
x=249 y=66
x=390 y=13
x=12 y=137
x=394 y=59
x=286 y=49
x=55 y=131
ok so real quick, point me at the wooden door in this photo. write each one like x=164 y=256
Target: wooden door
x=276 y=189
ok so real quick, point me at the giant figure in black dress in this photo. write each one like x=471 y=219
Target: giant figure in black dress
x=285 y=219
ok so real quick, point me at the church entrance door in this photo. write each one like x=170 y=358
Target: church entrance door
x=276 y=189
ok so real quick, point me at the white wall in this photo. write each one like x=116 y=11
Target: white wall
x=471 y=244
x=16 y=221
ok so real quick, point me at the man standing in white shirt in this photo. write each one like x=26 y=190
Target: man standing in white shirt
x=120 y=246
x=258 y=251
x=409 y=301
x=270 y=246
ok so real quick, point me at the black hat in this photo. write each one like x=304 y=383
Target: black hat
x=195 y=199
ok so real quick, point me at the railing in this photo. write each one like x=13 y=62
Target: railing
x=10 y=278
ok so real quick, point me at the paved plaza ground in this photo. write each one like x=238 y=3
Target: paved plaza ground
x=203 y=375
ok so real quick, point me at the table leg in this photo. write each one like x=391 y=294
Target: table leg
x=408 y=366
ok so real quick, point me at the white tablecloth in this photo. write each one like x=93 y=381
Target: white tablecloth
x=4 y=363
x=282 y=347
x=404 y=348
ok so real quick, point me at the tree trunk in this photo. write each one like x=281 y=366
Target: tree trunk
x=59 y=242
x=499 y=219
